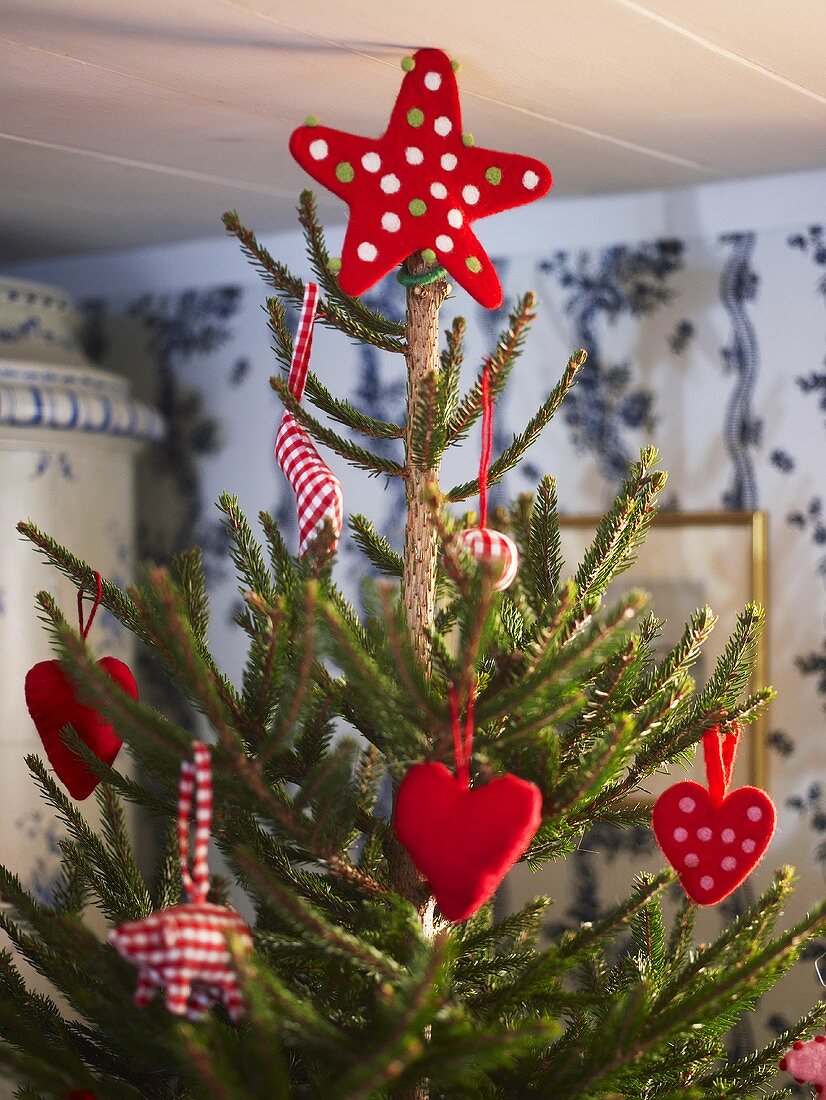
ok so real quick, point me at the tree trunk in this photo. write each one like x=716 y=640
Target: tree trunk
x=420 y=544
x=420 y=555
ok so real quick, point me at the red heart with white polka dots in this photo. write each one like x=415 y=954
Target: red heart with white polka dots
x=713 y=846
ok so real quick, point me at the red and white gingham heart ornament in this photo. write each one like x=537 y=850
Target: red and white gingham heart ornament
x=318 y=494
x=712 y=839
x=183 y=950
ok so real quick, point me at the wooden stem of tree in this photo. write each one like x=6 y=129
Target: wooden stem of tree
x=420 y=542
x=420 y=553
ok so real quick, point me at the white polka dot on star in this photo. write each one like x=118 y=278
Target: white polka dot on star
x=530 y=180
x=470 y=194
x=444 y=243
x=455 y=219
x=438 y=191
x=442 y=125
x=413 y=155
x=391 y=222
x=367 y=251
x=432 y=81
x=390 y=184
x=319 y=149
x=371 y=162
x=448 y=161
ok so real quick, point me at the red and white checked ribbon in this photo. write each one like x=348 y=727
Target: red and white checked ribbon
x=317 y=490
x=195 y=776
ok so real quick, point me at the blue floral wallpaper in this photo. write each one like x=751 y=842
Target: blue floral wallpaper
x=711 y=348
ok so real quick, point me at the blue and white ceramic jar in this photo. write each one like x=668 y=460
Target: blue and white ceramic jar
x=69 y=437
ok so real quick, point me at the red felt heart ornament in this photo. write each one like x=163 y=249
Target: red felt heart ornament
x=713 y=839
x=53 y=705
x=465 y=840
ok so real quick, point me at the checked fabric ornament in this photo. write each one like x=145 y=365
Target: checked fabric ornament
x=184 y=949
x=317 y=490
x=712 y=839
x=485 y=544
x=420 y=185
x=806 y=1062
x=464 y=839
x=53 y=704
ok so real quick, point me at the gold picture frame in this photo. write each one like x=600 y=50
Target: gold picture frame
x=719 y=558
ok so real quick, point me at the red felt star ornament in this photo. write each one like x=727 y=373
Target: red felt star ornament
x=420 y=185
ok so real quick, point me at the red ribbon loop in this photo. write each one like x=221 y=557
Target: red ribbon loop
x=84 y=630
x=487 y=445
x=463 y=745
x=303 y=344
x=719 y=751
x=196 y=776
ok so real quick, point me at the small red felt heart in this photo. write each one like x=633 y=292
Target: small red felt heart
x=464 y=840
x=53 y=705
x=713 y=847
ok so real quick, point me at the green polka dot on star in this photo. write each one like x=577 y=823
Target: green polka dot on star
x=311 y=120
x=344 y=172
x=408 y=64
x=473 y=264
x=429 y=256
x=417 y=207
x=415 y=117
x=455 y=65
x=468 y=139
x=494 y=176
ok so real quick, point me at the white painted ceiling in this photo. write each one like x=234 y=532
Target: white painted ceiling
x=133 y=123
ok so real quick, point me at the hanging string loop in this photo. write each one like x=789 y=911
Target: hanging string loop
x=196 y=776
x=463 y=742
x=719 y=751
x=84 y=630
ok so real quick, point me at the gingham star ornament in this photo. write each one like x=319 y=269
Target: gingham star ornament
x=420 y=185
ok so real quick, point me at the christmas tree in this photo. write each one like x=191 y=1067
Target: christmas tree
x=378 y=770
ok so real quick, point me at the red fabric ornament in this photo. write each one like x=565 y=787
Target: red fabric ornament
x=464 y=840
x=184 y=949
x=483 y=542
x=712 y=839
x=420 y=185
x=53 y=705
x=806 y=1062
x=317 y=490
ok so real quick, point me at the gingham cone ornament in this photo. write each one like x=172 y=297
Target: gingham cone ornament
x=317 y=490
x=184 y=949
